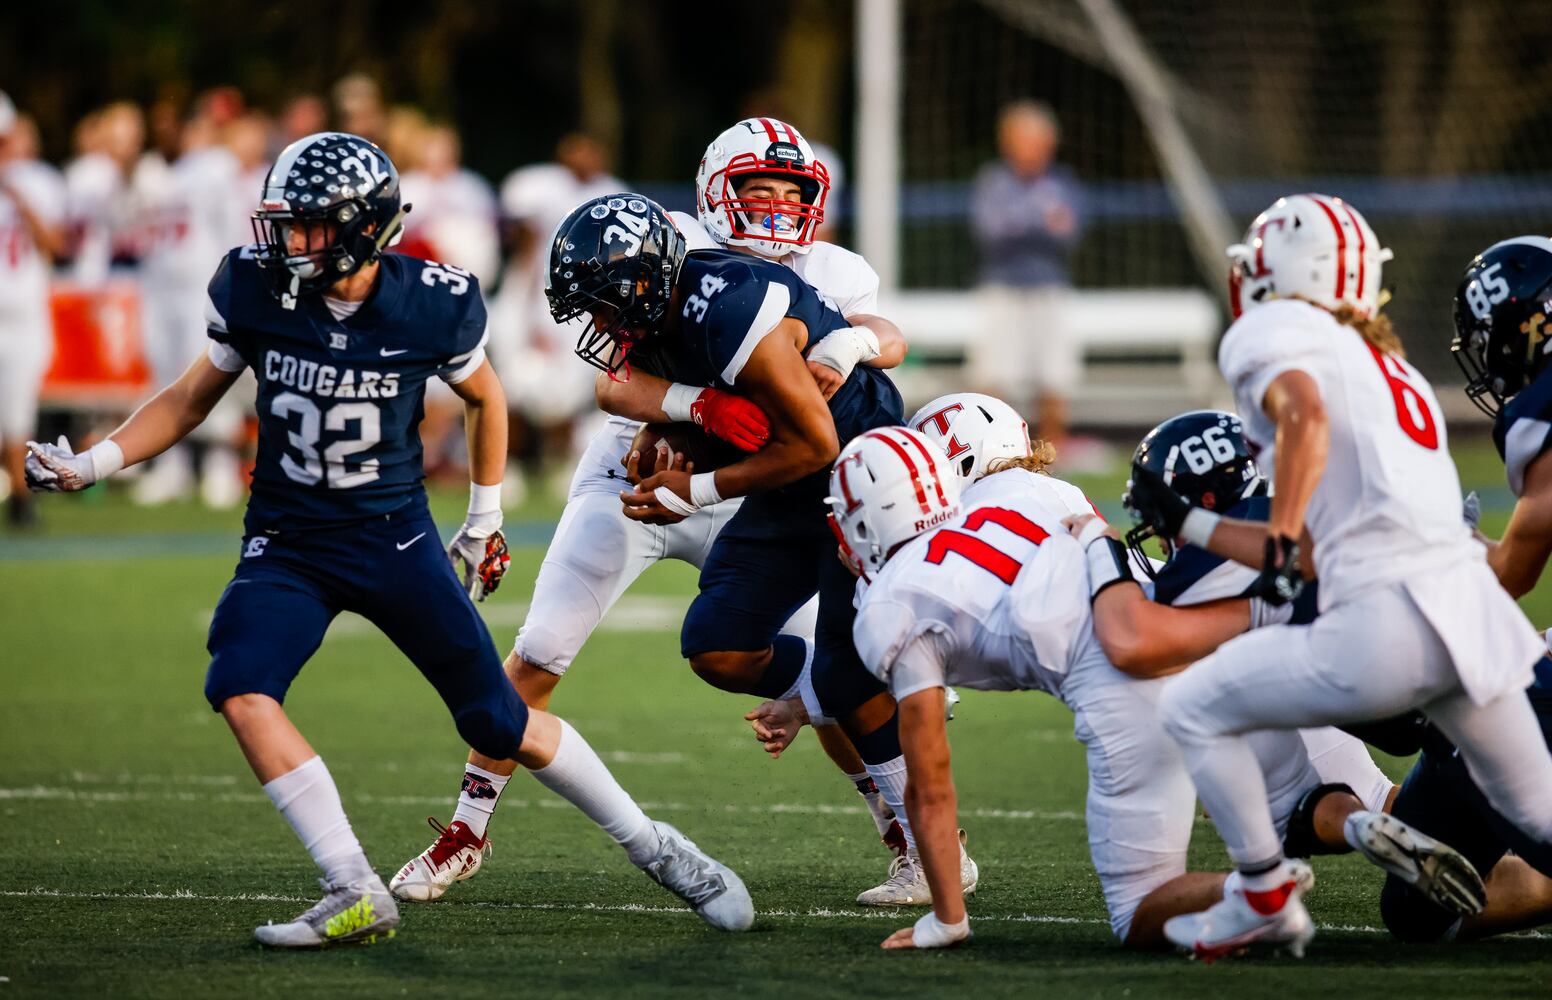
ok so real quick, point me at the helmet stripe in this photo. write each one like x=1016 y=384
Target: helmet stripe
x=1358 y=229
x=792 y=136
x=937 y=480
x=1341 y=245
x=910 y=466
x=770 y=130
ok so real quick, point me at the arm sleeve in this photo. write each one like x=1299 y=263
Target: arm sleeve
x=921 y=664
x=1262 y=346
x=888 y=636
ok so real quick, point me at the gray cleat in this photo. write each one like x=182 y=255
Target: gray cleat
x=711 y=888
x=1436 y=870
x=359 y=912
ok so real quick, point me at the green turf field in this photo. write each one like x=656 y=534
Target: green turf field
x=137 y=852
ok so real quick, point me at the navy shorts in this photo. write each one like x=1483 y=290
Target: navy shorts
x=392 y=571
x=1439 y=798
x=754 y=580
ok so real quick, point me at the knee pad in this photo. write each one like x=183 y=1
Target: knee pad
x=1410 y=917
x=1299 y=840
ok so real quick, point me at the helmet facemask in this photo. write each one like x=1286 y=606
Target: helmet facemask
x=771 y=227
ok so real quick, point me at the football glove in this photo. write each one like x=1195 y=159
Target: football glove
x=1155 y=503
x=844 y=350
x=1279 y=581
x=1471 y=510
x=482 y=549
x=55 y=468
x=732 y=418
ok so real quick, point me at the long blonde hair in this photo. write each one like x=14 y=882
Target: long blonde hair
x=1042 y=455
x=1374 y=328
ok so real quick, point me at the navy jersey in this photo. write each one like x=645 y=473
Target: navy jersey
x=1523 y=429
x=1199 y=576
x=340 y=401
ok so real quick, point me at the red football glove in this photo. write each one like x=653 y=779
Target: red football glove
x=732 y=418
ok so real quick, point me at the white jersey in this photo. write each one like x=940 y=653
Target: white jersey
x=996 y=600
x=97 y=200
x=456 y=214
x=186 y=218
x=1387 y=510
x=1389 y=503
x=24 y=271
x=844 y=279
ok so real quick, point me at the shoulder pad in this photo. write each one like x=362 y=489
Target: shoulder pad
x=881 y=630
x=1523 y=431
x=749 y=306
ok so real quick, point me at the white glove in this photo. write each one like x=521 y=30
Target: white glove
x=930 y=932
x=844 y=350
x=55 y=468
x=471 y=546
x=1471 y=510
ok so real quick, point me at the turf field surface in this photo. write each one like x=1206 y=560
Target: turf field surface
x=138 y=852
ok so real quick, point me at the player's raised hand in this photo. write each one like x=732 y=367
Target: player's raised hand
x=1077 y=522
x=732 y=418
x=55 y=468
x=776 y=724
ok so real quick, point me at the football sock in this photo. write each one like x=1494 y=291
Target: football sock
x=877 y=807
x=308 y=800
x=890 y=779
x=788 y=655
x=478 y=797
x=1264 y=877
x=578 y=776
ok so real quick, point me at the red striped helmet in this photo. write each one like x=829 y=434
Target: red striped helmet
x=1312 y=246
x=889 y=485
x=761 y=147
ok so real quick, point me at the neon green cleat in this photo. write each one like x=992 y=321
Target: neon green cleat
x=359 y=912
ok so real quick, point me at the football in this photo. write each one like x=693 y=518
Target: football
x=699 y=448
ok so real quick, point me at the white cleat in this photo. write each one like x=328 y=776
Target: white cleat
x=907 y=881
x=455 y=855
x=1436 y=870
x=712 y=889
x=1233 y=925
x=359 y=912
x=1303 y=877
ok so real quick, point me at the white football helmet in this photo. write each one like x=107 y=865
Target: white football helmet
x=974 y=430
x=888 y=485
x=1310 y=245
x=761 y=147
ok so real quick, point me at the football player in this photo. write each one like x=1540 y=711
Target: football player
x=597 y=551
x=32 y=208
x=342 y=339
x=1500 y=310
x=1411 y=616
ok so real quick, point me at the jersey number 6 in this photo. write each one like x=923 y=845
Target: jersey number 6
x=985 y=555
x=1412 y=413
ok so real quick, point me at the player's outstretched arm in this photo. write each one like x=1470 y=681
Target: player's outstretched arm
x=933 y=806
x=1303 y=442
x=161 y=422
x=1521 y=555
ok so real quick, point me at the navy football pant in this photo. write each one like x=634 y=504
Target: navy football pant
x=390 y=570
x=752 y=583
x=1439 y=798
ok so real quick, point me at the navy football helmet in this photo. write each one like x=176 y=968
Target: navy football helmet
x=616 y=257
x=326 y=177
x=1201 y=455
x=1502 y=330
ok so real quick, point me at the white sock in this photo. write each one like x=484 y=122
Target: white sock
x=478 y=797
x=578 y=776
x=890 y=779
x=868 y=789
x=1266 y=880
x=308 y=800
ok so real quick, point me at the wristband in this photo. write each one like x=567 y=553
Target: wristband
x=678 y=400
x=930 y=932
x=1107 y=559
x=1198 y=527
x=484 y=499
x=107 y=458
x=703 y=489
x=668 y=498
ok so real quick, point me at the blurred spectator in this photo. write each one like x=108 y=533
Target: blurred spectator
x=32 y=213
x=248 y=139
x=453 y=220
x=547 y=389
x=97 y=185
x=189 y=216
x=358 y=107
x=454 y=212
x=303 y=115
x=403 y=137
x=1026 y=216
